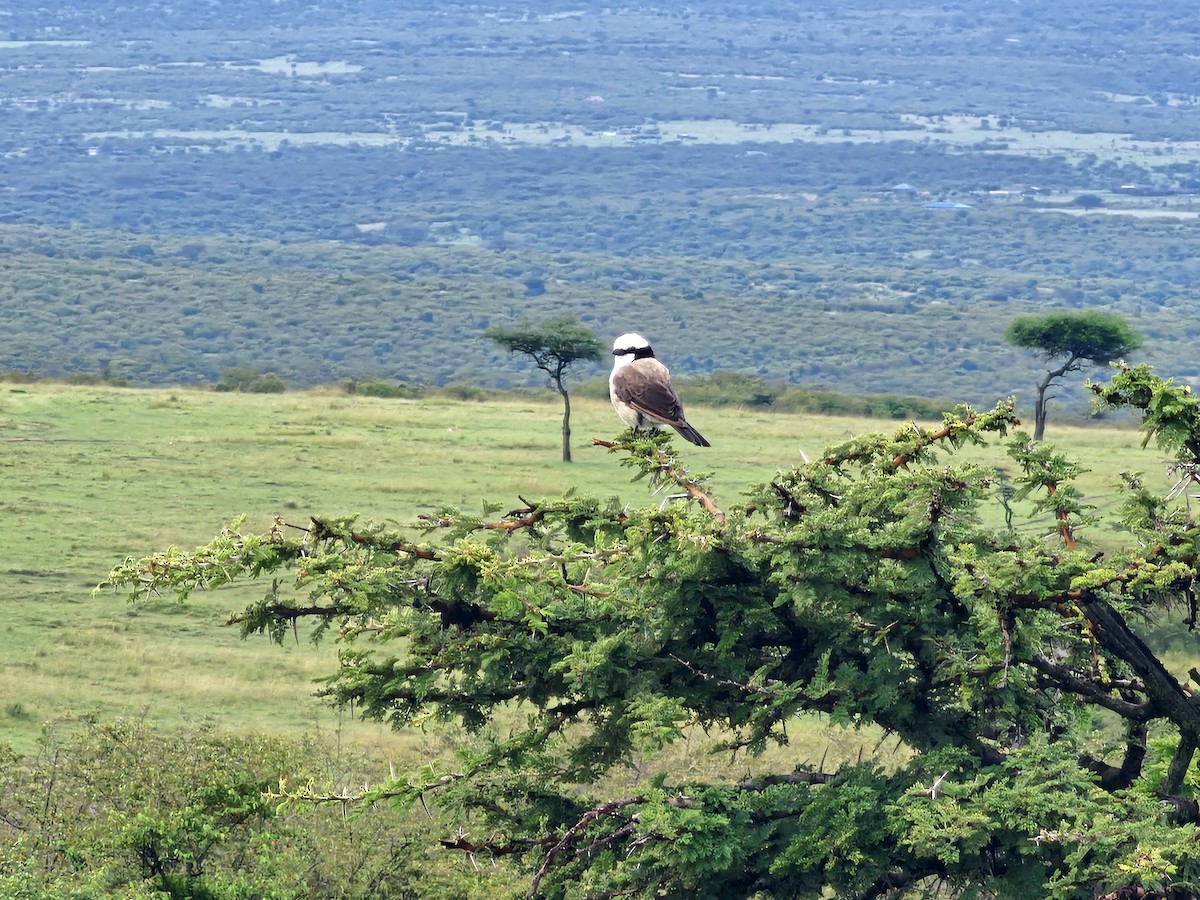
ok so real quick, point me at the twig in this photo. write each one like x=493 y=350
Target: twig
x=933 y=791
x=758 y=784
x=466 y=846
x=604 y=809
x=664 y=463
x=724 y=682
x=321 y=530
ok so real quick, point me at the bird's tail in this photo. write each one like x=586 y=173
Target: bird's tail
x=688 y=433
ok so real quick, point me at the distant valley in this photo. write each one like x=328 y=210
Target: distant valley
x=356 y=190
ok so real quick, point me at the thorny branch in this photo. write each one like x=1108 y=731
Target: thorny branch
x=1001 y=417
x=1115 y=778
x=666 y=467
x=1063 y=678
x=514 y=520
x=466 y=846
x=724 y=682
x=322 y=530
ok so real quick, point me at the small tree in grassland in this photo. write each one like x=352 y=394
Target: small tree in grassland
x=1067 y=340
x=1047 y=750
x=554 y=346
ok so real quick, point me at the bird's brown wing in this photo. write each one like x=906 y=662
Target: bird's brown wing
x=646 y=386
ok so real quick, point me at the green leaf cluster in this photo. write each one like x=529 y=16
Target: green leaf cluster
x=1090 y=334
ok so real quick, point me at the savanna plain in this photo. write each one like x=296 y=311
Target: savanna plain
x=94 y=474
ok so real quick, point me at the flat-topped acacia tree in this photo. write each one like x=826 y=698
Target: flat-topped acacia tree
x=1067 y=340
x=1046 y=750
x=554 y=346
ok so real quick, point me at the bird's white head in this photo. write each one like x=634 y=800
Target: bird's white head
x=629 y=347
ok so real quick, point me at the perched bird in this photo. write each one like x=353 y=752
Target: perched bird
x=641 y=392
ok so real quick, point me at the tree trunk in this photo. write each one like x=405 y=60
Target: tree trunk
x=1039 y=406
x=1180 y=763
x=1039 y=410
x=566 y=426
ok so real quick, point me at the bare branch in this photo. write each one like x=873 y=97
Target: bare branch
x=1064 y=678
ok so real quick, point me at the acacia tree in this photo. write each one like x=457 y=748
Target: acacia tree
x=1046 y=750
x=554 y=346
x=1069 y=339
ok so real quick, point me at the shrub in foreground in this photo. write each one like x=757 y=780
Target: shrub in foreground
x=123 y=809
x=1049 y=751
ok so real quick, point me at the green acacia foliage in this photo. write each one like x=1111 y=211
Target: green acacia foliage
x=1050 y=753
x=1089 y=335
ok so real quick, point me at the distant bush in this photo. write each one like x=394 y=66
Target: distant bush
x=882 y=406
x=89 y=378
x=141 y=251
x=15 y=376
x=84 y=378
x=376 y=387
x=191 y=251
x=728 y=389
x=593 y=388
x=249 y=381
x=107 y=375
x=464 y=390
x=750 y=391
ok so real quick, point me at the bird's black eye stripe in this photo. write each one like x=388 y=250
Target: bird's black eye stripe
x=637 y=352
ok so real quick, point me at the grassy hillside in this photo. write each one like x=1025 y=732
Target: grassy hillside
x=867 y=299
x=95 y=474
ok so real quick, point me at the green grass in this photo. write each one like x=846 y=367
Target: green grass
x=94 y=474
